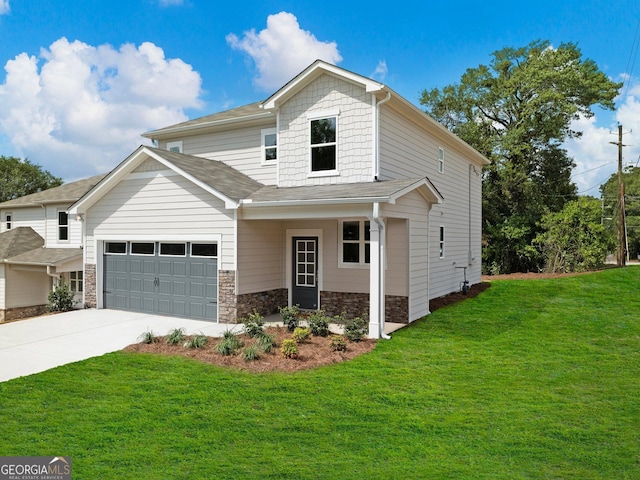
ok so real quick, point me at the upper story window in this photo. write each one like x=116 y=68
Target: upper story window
x=63 y=226
x=355 y=248
x=441 y=242
x=269 y=145
x=440 y=160
x=324 y=134
x=175 y=146
x=8 y=218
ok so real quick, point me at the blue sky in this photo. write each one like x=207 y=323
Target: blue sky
x=83 y=79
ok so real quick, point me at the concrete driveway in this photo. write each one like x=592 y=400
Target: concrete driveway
x=40 y=343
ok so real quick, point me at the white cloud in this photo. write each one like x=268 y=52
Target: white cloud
x=596 y=158
x=78 y=110
x=4 y=7
x=282 y=50
x=380 y=73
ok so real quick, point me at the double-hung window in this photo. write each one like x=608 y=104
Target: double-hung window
x=63 y=226
x=440 y=160
x=324 y=143
x=441 y=242
x=8 y=218
x=354 y=239
x=269 y=145
x=76 y=281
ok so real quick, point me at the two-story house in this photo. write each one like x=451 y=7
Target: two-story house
x=334 y=193
x=40 y=245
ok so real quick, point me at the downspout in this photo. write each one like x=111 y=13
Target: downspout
x=472 y=169
x=376 y=136
x=376 y=326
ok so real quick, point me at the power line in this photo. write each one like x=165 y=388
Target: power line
x=632 y=59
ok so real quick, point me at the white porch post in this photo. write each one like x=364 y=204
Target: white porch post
x=376 y=275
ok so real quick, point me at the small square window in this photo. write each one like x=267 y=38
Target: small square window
x=175 y=146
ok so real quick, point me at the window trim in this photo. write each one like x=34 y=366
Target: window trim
x=362 y=242
x=176 y=144
x=61 y=226
x=263 y=146
x=191 y=254
x=155 y=249
x=441 y=242
x=322 y=115
x=440 y=160
x=160 y=254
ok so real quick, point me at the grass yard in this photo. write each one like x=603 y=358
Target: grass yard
x=531 y=379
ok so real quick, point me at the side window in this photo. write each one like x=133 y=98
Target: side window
x=355 y=246
x=441 y=242
x=63 y=226
x=324 y=135
x=76 y=281
x=175 y=146
x=8 y=218
x=269 y=145
x=440 y=160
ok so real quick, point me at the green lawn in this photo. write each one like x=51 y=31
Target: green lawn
x=532 y=379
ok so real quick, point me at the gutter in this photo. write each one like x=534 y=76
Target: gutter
x=331 y=201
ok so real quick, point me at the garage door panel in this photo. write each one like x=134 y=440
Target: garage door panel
x=166 y=285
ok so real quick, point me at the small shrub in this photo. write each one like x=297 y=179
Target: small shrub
x=254 y=325
x=175 y=336
x=148 y=337
x=265 y=342
x=251 y=353
x=301 y=334
x=196 y=341
x=229 y=345
x=289 y=349
x=355 y=329
x=319 y=324
x=290 y=317
x=61 y=299
x=338 y=344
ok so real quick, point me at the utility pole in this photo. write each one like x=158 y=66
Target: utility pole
x=621 y=254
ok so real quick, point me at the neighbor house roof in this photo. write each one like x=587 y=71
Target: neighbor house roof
x=67 y=193
x=46 y=256
x=19 y=240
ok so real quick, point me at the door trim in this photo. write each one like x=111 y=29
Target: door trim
x=303 y=232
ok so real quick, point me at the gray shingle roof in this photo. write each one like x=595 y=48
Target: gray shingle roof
x=220 y=176
x=243 y=112
x=348 y=191
x=17 y=241
x=46 y=256
x=67 y=193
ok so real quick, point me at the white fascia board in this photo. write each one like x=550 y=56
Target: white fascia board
x=228 y=202
x=312 y=72
x=297 y=203
x=197 y=126
x=432 y=195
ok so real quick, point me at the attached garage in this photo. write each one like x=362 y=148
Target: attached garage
x=167 y=278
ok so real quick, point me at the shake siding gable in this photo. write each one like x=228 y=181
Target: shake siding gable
x=163 y=206
x=408 y=150
x=354 y=132
x=240 y=148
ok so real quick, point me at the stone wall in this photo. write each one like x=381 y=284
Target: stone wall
x=90 y=297
x=357 y=304
x=265 y=303
x=22 y=312
x=227 y=301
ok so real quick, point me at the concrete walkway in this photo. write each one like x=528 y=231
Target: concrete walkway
x=38 y=344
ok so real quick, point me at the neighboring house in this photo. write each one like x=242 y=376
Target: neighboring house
x=40 y=245
x=335 y=193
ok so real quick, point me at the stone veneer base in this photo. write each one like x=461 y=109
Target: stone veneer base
x=357 y=304
x=22 y=312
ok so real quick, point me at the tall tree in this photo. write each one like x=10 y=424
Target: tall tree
x=517 y=111
x=21 y=177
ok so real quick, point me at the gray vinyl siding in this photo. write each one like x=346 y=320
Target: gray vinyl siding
x=408 y=150
x=239 y=148
x=261 y=251
x=163 y=206
x=354 y=132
